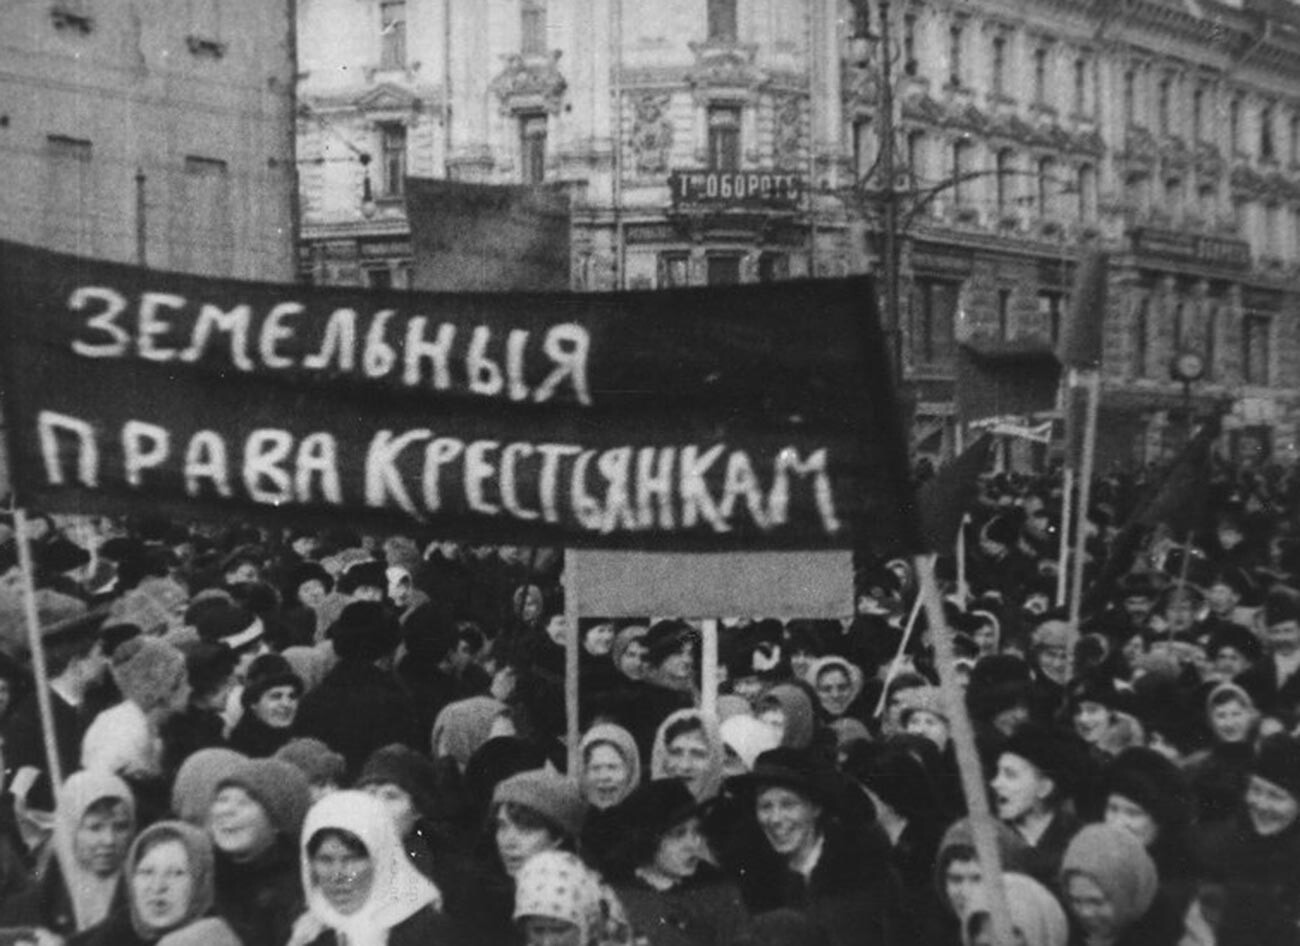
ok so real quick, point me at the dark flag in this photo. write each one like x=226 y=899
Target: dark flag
x=1005 y=379
x=1178 y=500
x=1082 y=339
x=949 y=494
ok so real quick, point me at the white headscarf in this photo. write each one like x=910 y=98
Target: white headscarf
x=91 y=895
x=398 y=891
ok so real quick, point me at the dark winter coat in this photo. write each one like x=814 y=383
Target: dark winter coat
x=262 y=898
x=117 y=930
x=24 y=742
x=426 y=927
x=357 y=709
x=706 y=910
x=1043 y=860
x=255 y=739
x=46 y=903
x=1262 y=871
x=1274 y=698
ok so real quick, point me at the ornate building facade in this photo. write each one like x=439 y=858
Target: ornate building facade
x=151 y=130
x=722 y=141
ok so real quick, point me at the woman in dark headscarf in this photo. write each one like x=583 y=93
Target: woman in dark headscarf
x=172 y=888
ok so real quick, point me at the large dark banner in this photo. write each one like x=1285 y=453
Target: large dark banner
x=745 y=417
x=488 y=237
x=999 y=379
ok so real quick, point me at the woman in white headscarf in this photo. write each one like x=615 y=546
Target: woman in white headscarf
x=81 y=883
x=362 y=890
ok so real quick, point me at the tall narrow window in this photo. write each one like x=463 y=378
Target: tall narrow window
x=956 y=67
x=1211 y=339
x=392 y=33
x=1141 y=336
x=674 y=270
x=1086 y=191
x=1050 y=313
x=1005 y=163
x=722 y=21
x=532 y=147
x=1267 y=152
x=934 y=315
x=69 y=211
x=909 y=44
x=916 y=153
x=864 y=147
x=207 y=244
x=961 y=152
x=1162 y=105
x=392 y=159
x=1207 y=201
x=1081 y=87
x=1178 y=328
x=1234 y=126
x=1004 y=313
x=1255 y=341
x=1198 y=115
x=999 y=65
x=724 y=138
x=1046 y=169
x=1130 y=98
x=1040 y=75
x=532 y=14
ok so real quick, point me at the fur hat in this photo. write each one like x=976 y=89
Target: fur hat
x=231 y=625
x=304 y=572
x=404 y=767
x=318 y=762
x=1281 y=604
x=1241 y=639
x=550 y=794
x=1055 y=753
x=665 y=638
x=280 y=787
x=208 y=665
x=148 y=671
x=365 y=632
x=363 y=575
x=1150 y=780
x=267 y=672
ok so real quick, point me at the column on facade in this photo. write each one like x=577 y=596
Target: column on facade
x=471 y=64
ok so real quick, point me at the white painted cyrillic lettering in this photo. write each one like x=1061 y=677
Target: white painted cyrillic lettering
x=778 y=500
x=119 y=339
x=484 y=373
x=509 y=481
x=339 y=343
x=477 y=470
x=144 y=446
x=383 y=479
x=616 y=466
x=379 y=356
x=152 y=326
x=697 y=504
x=234 y=323
x=206 y=459
x=567 y=345
x=548 y=478
x=442 y=451
x=49 y=425
x=275 y=331
x=516 y=345
x=318 y=459
x=654 y=482
x=586 y=508
x=436 y=353
x=742 y=483
x=265 y=478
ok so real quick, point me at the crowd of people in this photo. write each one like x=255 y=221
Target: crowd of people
x=283 y=738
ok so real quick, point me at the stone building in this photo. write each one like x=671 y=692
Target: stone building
x=717 y=141
x=151 y=129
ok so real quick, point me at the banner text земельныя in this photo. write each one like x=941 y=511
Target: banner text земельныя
x=747 y=417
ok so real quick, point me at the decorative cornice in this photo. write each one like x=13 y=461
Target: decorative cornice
x=530 y=83
x=725 y=70
x=387 y=97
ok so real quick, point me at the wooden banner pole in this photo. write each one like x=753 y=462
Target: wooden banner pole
x=37 y=647
x=572 y=643
x=1081 y=513
x=897 y=662
x=709 y=667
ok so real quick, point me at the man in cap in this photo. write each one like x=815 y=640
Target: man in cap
x=1275 y=681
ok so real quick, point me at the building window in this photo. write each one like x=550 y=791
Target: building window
x=909 y=44
x=1141 y=334
x=674 y=270
x=1255 y=341
x=1004 y=313
x=379 y=277
x=1040 y=75
x=934 y=315
x=1266 y=150
x=1162 y=105
x=724 y=138
x=1207 y=199
x=1005 y=167
x=532 y=147
x=915 y=153
x=1081 y=87
x=961 y=161
x=1173 y=195
x=1234 y=126
x=1273 y=238
x=956 y=36
x=392 y=34
x=532 y=23
x=392 y=159
x=1211 y=340
x=722 y=21
x=1046 y=170
x=69 y=209
x=1198 y=115
x=207 y=243
x=723 y=269
x=1051 y=313
x=1086 y=191
x=1130 y=98
x=1178 y=328
x=999 y=65
x=773 y=267
x=1136 y=192
x=864 y=148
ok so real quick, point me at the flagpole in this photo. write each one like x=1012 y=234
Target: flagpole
x=571 y=644
x=1067 y=495
x=37 y=647
x=897 y=662
x=968 y=762
x=709 y=667
x=963 y=590
x=1085 y=490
